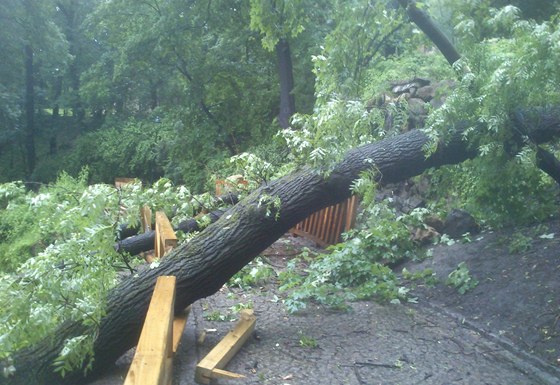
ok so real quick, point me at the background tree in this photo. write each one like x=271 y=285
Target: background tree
x=279 y=22
x=32 y=35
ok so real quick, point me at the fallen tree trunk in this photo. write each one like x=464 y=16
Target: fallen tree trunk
x=205 y=263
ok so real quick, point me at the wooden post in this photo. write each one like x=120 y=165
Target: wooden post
x=351 y=209
x=212 y=365
x=165 y=238
x=152 y=363
x=179 y=323
x=146 y=218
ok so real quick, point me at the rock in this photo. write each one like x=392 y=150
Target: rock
x=444 y=88
x=459 y=222
x=434 y=222
x=417 y=113
x=408 y=86
x=416 y=107
x=426 y=93
x=425 y=235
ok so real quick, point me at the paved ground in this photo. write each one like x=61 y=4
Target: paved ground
x=505 y=331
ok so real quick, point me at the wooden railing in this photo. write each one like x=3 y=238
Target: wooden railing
x=153 y=359
x=326 y=226
x=162 y=330
x=211 y=366
x=230 y=184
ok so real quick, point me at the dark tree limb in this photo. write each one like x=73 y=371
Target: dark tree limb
x=547 y=162
x=136 y=243
x=429 y=27
x=538 y=124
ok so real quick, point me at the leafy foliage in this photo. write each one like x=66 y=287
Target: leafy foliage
x=59 y=255
x=256 y=273
x=277 y=19
x=178 y=89
x=357 y=269
x=504 y=68
x=461 y=279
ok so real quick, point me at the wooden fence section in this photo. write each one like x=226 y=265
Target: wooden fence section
x=162 y=331
x=165 y=238
x=119 y=182
x=230 y=184
x=326 y=226
x=152 y=363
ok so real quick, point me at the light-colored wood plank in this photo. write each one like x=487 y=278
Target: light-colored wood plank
x=179 y=324
x=352 y=208
x=146 y=218
x=152 y=361
x=165 y=235
x=119 y=182
x=219 y=373
x=223 y=352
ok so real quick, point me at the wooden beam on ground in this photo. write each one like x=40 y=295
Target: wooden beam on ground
x=153 y=359
x=212 y=365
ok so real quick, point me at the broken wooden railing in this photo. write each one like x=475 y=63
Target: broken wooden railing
x=153 y=360
x=120 y=182
x=231 y=184
x=161 y=334
x=162 y=331
x=212 y=365
x=326 y=226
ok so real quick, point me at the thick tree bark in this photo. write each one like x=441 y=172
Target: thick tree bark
x=205 y=263
x=286 y=78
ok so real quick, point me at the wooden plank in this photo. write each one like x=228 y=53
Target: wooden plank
x=325 y=226
x=339 y=223
x=146 y=218
x=352 y=208
x=315 y=218
x=119 y=182
x=325 y=223
x=152 y=361
x=332 y=236
x=165 y=235
x=179 y=323
x=211 y=366
x=219 y=373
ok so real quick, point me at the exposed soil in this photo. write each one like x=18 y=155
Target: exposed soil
x=504 y=331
